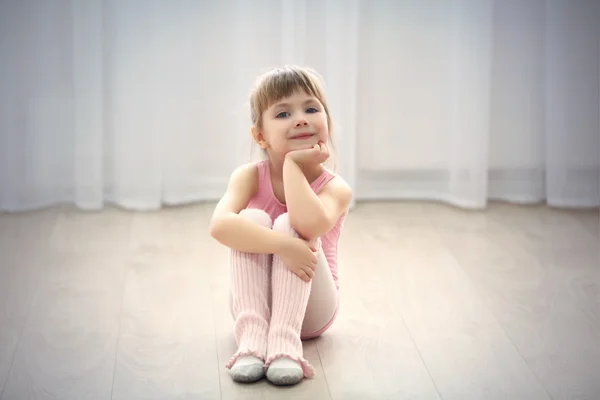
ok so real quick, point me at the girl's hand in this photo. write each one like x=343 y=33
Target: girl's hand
x=300 y=257
x=317 y=154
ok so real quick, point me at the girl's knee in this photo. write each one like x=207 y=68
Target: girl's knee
x=258 y=216
x=282 y=224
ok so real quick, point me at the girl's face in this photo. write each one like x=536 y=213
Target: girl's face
x=293 y=123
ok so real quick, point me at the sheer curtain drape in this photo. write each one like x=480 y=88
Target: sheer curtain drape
x=143 y=103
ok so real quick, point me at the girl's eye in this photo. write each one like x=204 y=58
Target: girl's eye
x=283 y=114
x=312 y=110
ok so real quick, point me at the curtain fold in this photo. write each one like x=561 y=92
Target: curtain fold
x=144 y=103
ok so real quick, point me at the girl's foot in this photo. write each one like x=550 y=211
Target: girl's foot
x=284 y=371
x=247 y=369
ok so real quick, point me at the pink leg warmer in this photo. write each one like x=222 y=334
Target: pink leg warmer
x=290 y=297
x=250 y=281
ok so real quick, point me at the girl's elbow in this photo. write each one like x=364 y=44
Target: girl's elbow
x=215 y=229
x=221 y=225
x=307 y=234
x=308 y=230
x=302 y=228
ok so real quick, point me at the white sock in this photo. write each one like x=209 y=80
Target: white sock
x=285 y=371
x=248 y=369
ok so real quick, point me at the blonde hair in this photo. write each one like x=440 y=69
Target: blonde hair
x=278 y=83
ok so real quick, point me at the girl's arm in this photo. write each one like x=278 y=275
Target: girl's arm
x=313 y=215
x=235 y=231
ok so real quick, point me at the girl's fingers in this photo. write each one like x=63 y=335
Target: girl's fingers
x=309 y=273
x=303 y=275
x=308 y=277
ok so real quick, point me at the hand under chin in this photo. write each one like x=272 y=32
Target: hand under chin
x=303 y=144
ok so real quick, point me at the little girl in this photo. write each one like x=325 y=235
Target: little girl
x=281 y=219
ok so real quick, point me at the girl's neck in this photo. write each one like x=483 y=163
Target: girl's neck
x=276 y=167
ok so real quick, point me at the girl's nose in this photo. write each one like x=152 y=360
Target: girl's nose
x=301 y=122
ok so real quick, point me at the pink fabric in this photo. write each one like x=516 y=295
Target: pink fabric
x=250 y=284
x=265 y=200
x=288 y=308
x=268 y=333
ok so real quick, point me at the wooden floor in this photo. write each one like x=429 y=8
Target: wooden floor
x=437 y=303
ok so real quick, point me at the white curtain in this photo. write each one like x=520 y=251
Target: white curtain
x=142 y=103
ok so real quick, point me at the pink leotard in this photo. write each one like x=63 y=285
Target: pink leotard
x=265 y=200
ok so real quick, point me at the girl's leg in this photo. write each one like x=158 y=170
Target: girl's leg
x=285 y=361
x=322 y=306
x=250 y=286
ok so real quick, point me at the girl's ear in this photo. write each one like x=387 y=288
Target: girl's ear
x=259 y=138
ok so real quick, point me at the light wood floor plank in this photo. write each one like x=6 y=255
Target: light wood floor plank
x=464 y=348
x=437 y=303
x=525 y=264
x=23 y=244
x=67 y=349
x=567 y=242
x=167 y=338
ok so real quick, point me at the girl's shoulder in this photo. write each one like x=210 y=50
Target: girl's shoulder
x=241 y=187
x=246 y=176
x=336 y=182
x=251 y=166
x=249 y=169
x=337 y=188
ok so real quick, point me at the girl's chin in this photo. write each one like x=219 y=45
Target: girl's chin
x=304 y=144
